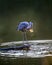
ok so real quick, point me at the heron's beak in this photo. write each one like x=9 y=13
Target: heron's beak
x=31 y=30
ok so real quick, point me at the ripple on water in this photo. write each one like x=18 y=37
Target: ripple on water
x=36 y=51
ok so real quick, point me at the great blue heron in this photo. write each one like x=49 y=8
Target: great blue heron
x=24 y=27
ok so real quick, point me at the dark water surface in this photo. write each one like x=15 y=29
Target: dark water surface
x=20 y=61
x=25 y=61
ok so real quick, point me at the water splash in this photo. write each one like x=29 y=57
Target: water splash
x=39 y=48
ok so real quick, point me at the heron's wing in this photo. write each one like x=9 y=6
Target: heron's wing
x=22 y=25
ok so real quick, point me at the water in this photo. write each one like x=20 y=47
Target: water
x=40 y=53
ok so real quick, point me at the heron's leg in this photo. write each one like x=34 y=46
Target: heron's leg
x=24 y=37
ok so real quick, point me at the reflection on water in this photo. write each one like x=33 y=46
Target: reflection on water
x=40 y=54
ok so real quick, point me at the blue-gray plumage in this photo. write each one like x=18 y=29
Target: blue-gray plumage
x=23 y=26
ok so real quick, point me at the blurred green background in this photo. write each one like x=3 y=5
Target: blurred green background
x=14 y=11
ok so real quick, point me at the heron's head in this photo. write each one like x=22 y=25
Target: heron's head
x=30 y=27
